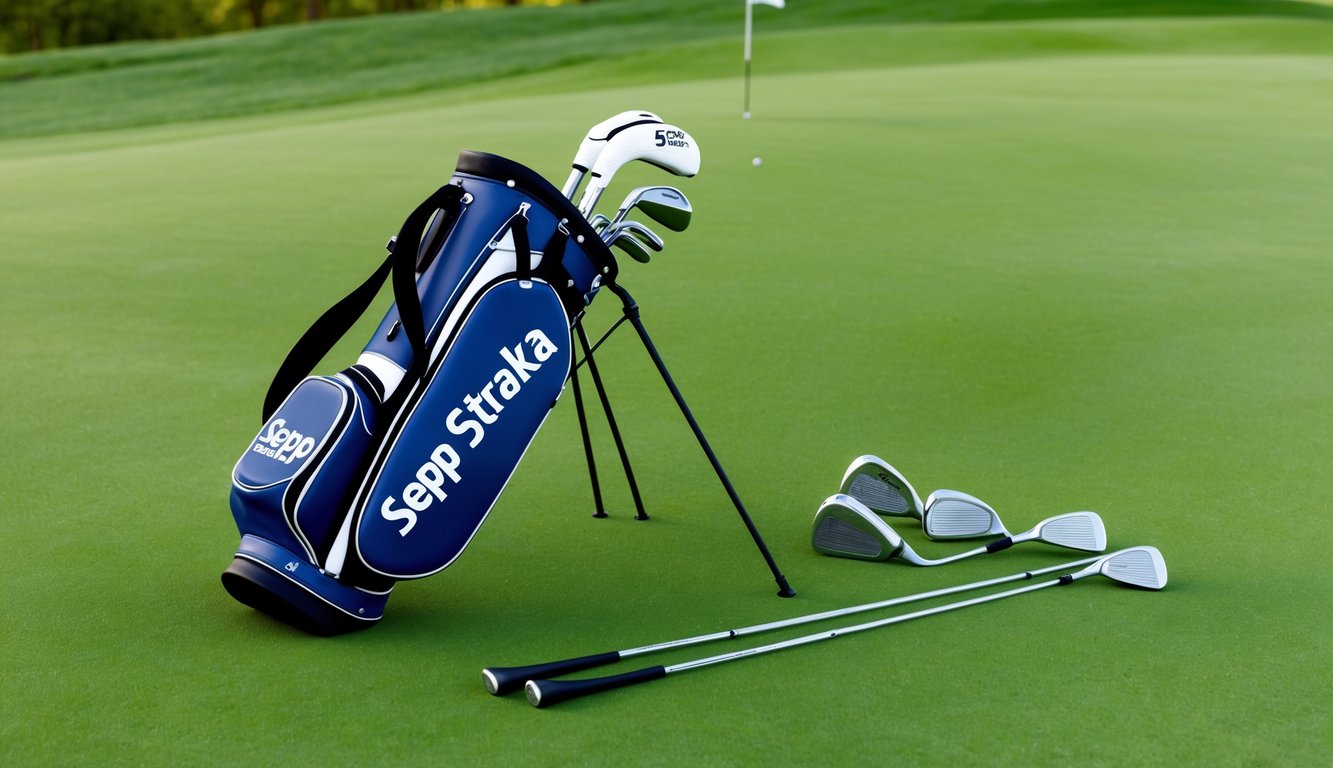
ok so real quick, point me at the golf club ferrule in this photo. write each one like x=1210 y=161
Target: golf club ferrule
x=1068 y=578
x=1000 y=544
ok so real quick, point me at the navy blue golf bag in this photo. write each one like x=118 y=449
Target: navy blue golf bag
x=385 y=471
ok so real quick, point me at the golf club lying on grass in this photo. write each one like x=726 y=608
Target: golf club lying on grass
x=844 y=527
x=502 y=680
x=875 y=483
x=944 y=515
x=1140 y=567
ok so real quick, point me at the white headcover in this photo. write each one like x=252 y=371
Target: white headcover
x=661 y=144
x=596 y=140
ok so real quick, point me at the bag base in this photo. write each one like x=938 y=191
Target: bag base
x=272 y=580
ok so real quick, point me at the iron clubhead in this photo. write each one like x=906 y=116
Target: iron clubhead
x=957 y=515
x=642 y=233
x=883 y=489
x=1141 y=567
x=665 y=205
x=844 y=527
x=1076 y=530
x=629 y=244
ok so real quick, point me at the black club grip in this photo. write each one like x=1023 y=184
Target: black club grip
x=502 y=680
x=544 y=693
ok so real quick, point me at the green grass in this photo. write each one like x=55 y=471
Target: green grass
x=1056 y=275
x=462 y=56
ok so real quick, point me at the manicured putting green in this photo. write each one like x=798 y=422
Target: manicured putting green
x=1062 y=283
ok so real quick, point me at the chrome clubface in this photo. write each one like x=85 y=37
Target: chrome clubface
x=1141 y=567
x=627 y=243
x=666 y=206
x=644 y=234
x=1076 y=530
x=876 y=484
x=957 y=515
x=844 y=527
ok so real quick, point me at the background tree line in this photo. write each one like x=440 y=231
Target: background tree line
x=31 y=25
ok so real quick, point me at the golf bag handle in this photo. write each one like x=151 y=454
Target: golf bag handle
x=339 y=319
x=518 y=228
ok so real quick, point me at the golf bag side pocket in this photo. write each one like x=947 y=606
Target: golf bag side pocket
x=464 y=430
x=290 y=483
x=286 y=492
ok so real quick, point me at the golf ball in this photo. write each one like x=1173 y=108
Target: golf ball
x=758 y=161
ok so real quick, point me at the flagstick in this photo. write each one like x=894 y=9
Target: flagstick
x=749 y=11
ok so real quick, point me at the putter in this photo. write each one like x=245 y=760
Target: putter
x=844 y=527
x=1140 y=567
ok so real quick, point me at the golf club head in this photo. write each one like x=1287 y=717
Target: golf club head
x=844 y=527
x=666 y=146
x=957 y=515
x=1076 y=530
x=646 y=235
x=665 y=205
x=876 y=484
x=627 y=243
x=598 y=136
x=1141 y=567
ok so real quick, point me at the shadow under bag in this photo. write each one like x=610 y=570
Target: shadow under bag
x=385 y=471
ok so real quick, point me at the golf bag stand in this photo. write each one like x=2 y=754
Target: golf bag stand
x=631 y=314
x=600 y=511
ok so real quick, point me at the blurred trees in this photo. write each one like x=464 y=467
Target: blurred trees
x=30 y=25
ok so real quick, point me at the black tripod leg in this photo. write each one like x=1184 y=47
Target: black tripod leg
x=611 y=422
x=587 y=444
x=632 y=312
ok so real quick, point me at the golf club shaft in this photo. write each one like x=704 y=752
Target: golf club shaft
x=542 y=693
x=1004 y=543
x=503 y=680
x=995 y=546
x=572 y=184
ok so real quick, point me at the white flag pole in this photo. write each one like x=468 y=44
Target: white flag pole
x=749 y=13
x=749 y=25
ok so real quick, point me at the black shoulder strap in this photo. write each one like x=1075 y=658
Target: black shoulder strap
x=339 y=319
x=553 y=271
